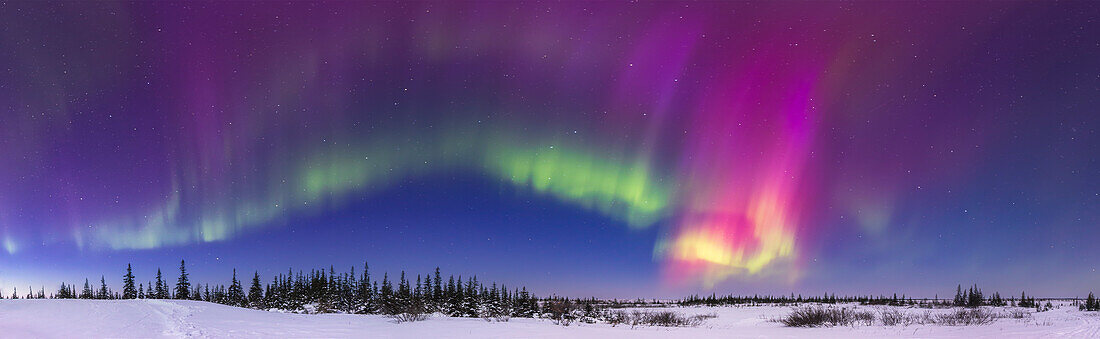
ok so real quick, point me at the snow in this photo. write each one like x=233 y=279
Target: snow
x=191 y=319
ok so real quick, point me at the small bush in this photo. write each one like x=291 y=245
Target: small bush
x=498 y=318
x=1017 y=314
x=617 y=317
x=706 y=316
x=408 y=317
x=666 y=318
x=965 y=317
x=562 y=311
x=655 y=318
x=813 y=316
x=892 y=317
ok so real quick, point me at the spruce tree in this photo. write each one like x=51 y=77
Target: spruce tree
x=235 y=295
x=386 y=296
x=161 y=292
x=255 y=293
x=63 y=292
x=128 y=291
x=183 y=286
x=959 y=295
x=102 y=294
x=457 y=299
x=437 y=287
x=404 y=294
x=526 y=306
x=471 y=301
x=365 y=295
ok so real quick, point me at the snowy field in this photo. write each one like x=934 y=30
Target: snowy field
x=191 y=319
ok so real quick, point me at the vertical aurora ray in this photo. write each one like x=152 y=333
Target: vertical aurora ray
x=741 y=213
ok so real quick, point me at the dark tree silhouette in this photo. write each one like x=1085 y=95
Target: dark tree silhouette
x=128 y=290
x=183 y=286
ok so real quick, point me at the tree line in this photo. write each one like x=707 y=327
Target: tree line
x=319 y=291
x=347 y=292
x=971 y=297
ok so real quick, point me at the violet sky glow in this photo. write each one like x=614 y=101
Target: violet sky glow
x=615 y=149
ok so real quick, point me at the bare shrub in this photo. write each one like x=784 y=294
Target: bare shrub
x=562 y=311
x=813 y=316
x=655 y=318
x=416 y=311
x=664 y=318
x=617 y=317
x=925 y=318
x=892 y=317
x=408 y=317
x=1017 y=314
x=862 y=317
x=806 y=317
x=966 y=317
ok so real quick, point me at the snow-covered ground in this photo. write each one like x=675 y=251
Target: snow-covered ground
x=174 y=319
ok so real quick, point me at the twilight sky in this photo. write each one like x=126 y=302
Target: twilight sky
x=612 y=149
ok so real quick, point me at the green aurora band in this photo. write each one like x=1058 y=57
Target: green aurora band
x=624 y=188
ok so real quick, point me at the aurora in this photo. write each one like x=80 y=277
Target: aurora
x=616 y=149
x=623 y=191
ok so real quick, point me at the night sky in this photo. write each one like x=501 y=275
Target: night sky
x=613 y=149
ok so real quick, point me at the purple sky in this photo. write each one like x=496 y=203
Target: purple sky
x=612 y=149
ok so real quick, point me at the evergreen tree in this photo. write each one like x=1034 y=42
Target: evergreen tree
x=493 y=303
x=974 y=297
x=959 y=301
x=183 y=286
x=65 y=292
x=471 y=302
x=128 y=291
x=255 y=293
x=404 y=295
x=161 y=292
x=386 y=296
x=528 y=305
x=102 y=294
x=235 y=295
x=437 y=288
x=365 y=295
x=454 y=296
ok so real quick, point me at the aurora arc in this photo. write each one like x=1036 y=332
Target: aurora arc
x=622 y=189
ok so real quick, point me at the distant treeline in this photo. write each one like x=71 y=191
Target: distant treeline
x=970 y=297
